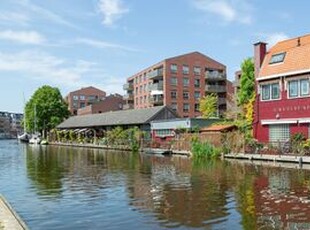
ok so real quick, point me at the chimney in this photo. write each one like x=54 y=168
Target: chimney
x=260 y=49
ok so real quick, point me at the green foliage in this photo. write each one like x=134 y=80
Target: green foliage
x=208 y=105
x=45 y=109
x=204 y=150
x=247 y=82
x=297 y=143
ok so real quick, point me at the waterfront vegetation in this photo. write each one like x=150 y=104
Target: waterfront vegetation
x=116 y=138
x=204 y=150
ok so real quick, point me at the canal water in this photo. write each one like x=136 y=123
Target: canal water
x=54 y=187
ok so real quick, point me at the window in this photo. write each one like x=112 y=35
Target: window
x=75 y=97
x=173 y=68
x=137 y=90
x=197 y=107
x=186 y=95
x=185 y=69
x=173 y=94
x=82 y=97
x=75 y=104
x=298 y=88
x=270 y=91
x=279 y=133
x=197 y=83
x=173 y=81
x=197 y=95
x=174 y=106
x=277 y=58
x=163 y=132
x=185 y=107
x=82 y=104
x=92 y=97
x=197 y=70
x=185 y=81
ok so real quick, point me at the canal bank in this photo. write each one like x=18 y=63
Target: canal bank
x=276 y=158
x=9 y=219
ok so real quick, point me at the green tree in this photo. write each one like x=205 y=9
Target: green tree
x=45 y=109
x=247 y=82
x=208 y=105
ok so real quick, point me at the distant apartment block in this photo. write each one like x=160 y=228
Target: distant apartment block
x=84 y=97
x=112 y=102
x=178 y=82
x=10 y=124
x=236 y=82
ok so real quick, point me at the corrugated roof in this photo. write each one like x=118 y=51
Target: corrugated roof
x=122 y=117
x=297 y=57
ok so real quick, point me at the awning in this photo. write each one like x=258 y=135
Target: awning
x=279 y=121
x=304 y=120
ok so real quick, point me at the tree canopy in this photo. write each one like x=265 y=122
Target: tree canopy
x=45 y=109
x=247 y=82
x=208 y=105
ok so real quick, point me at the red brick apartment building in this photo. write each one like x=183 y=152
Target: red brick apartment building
x=112 y=102
x=282 y=106
x=178 y=82
x=83 y=97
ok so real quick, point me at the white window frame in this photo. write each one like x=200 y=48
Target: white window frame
x=283 y=130
x=298 y=80
x=269 y=84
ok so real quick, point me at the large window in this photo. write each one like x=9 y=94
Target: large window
x=173 y=68
x=197 y=107
x=270 y=91
x=197 y=95
x=185 y=69
x=185 y=81
x=186 y=107
x=197 y=70
x=279 y=133
x=197 y=83
x=173 y=94
x=298 y=88
x=75 y=97
x=185 y=95
x=173 y=81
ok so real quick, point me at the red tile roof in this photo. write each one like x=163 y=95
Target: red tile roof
x=297 y=58
x=217 y=128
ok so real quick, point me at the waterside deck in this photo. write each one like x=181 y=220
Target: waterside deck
x=9 y=219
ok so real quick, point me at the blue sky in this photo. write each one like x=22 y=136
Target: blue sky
x=76 y=43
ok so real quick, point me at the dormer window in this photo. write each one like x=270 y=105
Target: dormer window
x=277 y=58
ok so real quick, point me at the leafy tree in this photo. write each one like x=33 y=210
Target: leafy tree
x=247 y=82
x=45 y=109
x=208 y=105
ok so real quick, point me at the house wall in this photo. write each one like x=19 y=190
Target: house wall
x=285 y=108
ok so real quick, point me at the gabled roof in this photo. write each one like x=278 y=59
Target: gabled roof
x=122 y=117
x=296 y=60
x=87 y=88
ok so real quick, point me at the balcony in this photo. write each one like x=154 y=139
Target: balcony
x=215 y=75
x=128 y=87
x=157 y=73
x=156 y=86
x=128 y=97
x=157 y=100
x=215 y=88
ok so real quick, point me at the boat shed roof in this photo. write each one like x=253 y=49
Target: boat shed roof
x=122 y=117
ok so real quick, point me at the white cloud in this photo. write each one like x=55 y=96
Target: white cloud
x=104 y=45
x=46 y=68
x=228 y=10
x=112 y=10
x=44 y=13
x=273 y=38
x=16 y=18
x=26 y=37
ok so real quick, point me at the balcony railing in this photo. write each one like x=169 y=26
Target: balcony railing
x=156 y=86
x=215 y=88
x=128 y=87
x=156 y=100
x=215 y=75
x=156 y=73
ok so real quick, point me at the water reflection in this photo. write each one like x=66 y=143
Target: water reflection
x=170 y=192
